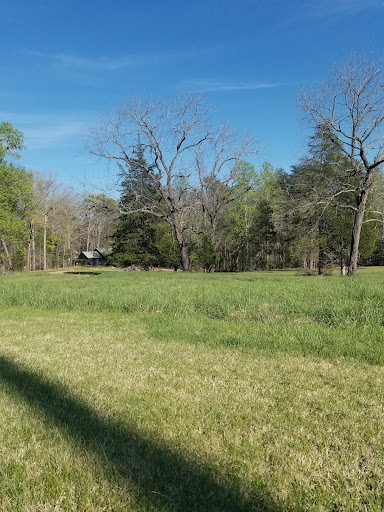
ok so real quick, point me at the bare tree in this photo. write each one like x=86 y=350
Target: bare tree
x=217 y=165
x=67 y=223
x=99 y=214
x=351 y=105
x=172 y=134
x=45 y=190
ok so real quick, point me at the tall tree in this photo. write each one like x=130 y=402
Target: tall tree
x=170 y=134
x=45 y=192
x=317 y=214
x=220 y=167
x=15 y=202
x=351 y=105
x=134 y=238
x=15 y=196
x=310 y=202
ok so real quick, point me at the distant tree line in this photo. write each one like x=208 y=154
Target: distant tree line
x=190 y=198
x=275 y=220
x=42 y=223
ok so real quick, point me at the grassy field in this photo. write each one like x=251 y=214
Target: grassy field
x=161 y=391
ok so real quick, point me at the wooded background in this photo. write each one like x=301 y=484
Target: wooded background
x=190 y=198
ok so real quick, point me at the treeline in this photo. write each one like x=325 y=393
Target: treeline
x=191 y=199
x=259 y=219
x=194 y=177
x=42 y=223
x=264 y=219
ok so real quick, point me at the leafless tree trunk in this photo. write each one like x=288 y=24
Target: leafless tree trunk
x=351 y=105
x=89 y=234
x=45 y=241
x=45 y=190
x=33 y=248
x=7 y=255
x=28 y=266
x=31 y=256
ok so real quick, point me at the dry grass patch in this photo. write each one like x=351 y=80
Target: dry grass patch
x=143 y=424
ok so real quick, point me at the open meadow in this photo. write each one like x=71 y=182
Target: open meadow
x=162 y=391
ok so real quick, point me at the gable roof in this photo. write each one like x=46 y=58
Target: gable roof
x=92 y=255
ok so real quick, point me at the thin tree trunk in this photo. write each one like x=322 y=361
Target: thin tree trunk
x=283 y=255
x=321 y=257
x=45 y=243
x=69 y=260
x=29 y=249
x=33 y=248
x=89 y=235
x=99 y=231
x=7 y=254
x=29 y=255
x=321 y=263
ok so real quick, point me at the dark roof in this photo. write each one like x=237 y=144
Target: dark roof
x=96 y=254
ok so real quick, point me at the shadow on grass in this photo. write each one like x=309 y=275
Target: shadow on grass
x=164 y=479
x=81 y=273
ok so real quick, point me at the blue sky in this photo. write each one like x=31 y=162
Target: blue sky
x=64 y=64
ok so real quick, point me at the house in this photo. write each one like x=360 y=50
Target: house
x=92 y=258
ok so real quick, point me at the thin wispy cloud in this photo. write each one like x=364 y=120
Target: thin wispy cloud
x=218 y=86
x=41 y=137
x=111 y=63
x=330 y=11
x=88 y=64
x=42 y=131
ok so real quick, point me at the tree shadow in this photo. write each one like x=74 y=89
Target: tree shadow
x=163 y=477
x=83 y=273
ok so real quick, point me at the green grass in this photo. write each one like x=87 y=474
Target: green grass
x=175 y=392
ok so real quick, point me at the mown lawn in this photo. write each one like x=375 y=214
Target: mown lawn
x=168 y=391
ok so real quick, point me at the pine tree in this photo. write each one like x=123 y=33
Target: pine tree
x=321 y=199
x=140 y=238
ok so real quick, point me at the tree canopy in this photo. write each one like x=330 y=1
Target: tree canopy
x=191 y=196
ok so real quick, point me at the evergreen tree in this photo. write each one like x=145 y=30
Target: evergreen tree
x=319 y=202
x=134 y=237
x=141 y=238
